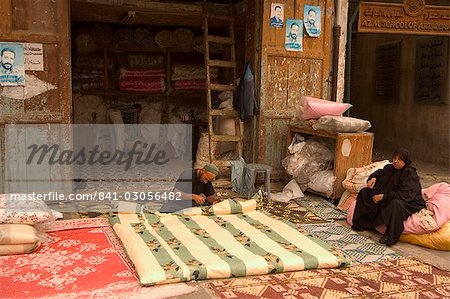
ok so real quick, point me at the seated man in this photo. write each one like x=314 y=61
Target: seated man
x=192 y=184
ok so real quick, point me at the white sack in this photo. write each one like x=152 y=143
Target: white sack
x=290 y=191
x=323 y=182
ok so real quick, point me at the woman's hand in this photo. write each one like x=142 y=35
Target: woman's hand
x=371 y=183
x=377 y=198
x=348 y=185
x=198 y=199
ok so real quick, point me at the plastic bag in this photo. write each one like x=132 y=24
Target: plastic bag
x=202 y=156
x=323 y=182
x=24 y=218
x=296 y=144
x=315 y=155
x=22 y=209
x=304 y=174
x=19 y=239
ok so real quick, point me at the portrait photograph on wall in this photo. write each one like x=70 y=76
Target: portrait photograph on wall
x=277 y=15
x=312 y=20
x=294 y=35
x=12 y=72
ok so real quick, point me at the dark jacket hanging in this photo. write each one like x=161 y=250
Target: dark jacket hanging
x=244 y=100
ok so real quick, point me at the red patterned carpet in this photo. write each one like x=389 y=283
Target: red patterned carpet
x=404 y=278
x=88 y=262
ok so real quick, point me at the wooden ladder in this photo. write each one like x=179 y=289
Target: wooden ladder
x=228 y=41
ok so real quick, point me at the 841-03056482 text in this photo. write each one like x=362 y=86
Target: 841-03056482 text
x=139 y=195
x=99 y=195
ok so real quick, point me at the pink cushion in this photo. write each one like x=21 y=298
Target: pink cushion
x=437 y=198
x=312 y=108
x=347 y=199
x=350 y=212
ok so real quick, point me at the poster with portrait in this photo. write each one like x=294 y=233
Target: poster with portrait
x=12 y=72
x=277 y=15
x=312 y=20
x=294 y=35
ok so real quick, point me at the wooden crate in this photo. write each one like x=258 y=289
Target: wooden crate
x=351 y=150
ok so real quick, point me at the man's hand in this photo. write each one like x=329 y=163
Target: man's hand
x=198 y=199
x=212 y=199
x=377 y=198
x=371 y=183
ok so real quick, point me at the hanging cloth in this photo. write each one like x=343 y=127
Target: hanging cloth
x=244 y=100
x=240 y=180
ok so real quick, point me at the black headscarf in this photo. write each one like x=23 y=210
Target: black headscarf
x=391 y=176
x=403 y=154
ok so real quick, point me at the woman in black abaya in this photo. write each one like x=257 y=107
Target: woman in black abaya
x=392 y=195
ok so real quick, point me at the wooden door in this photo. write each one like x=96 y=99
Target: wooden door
x=46 y=97
x=286 y=76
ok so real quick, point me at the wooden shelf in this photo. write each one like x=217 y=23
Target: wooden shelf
x=153 y=13
x=179 y=93
x=145 y=48
x=189 y=93
x=300 y=128
x=118 y=93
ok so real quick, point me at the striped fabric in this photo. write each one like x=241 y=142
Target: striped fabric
x=170 y=248
x=226 y=207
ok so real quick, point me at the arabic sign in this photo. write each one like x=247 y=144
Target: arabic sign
x=33 y=57
x=431 y=69
x=411 y=17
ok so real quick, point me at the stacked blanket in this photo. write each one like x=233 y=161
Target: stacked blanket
x=142 y=80
x=89 y=73
x=189 y=84
x=87 y=79
x=189 y=76
x=146 y=61
x=168 y=248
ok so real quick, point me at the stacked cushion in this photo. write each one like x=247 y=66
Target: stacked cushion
x=17 y=211
x=17 y=219
x=18 y=239
x=341 y=124
x=312 y=108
